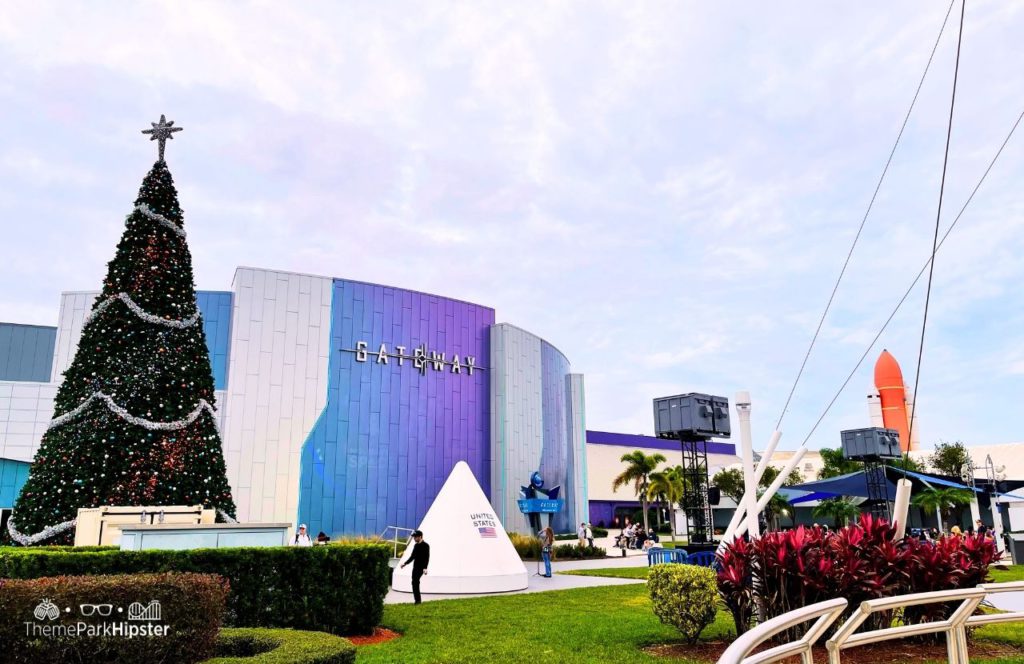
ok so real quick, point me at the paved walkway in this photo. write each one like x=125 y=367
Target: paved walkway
x=538 y=584
x=1008 y=601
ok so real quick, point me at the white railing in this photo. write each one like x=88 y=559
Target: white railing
x=826 y=613
x=995 y=618
x=952 y=627
x=383 y=536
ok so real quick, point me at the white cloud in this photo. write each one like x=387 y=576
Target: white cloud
x=665 y=192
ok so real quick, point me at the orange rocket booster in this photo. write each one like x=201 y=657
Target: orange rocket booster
x=893 y=396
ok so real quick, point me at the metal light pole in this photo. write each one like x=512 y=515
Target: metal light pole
x=993 y=478
x=749 y=480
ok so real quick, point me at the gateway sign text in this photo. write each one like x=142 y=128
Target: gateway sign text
x=421 y=358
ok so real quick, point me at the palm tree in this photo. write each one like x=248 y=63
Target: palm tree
x=639 y=467
x=841 y=510
x=776 y=506
x=668 y=484
x=942 y=502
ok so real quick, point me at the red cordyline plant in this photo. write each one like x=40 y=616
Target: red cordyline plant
x=787 y=570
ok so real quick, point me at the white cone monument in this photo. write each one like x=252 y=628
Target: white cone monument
x=469 y=549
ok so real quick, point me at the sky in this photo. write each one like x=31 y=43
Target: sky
x=665 y=191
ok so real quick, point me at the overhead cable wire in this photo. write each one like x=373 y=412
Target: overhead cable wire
x=863 y=220
x=916 y=279
x=935 y=237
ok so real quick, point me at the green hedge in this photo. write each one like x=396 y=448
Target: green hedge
x=573 y=552
x=338 y=589
x=281 y=646
x=190 y=609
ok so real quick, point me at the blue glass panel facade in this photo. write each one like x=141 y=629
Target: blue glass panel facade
x=554 y=458
x=390 y=434
x=215 y=307
x=13 y=475
x=26 y=352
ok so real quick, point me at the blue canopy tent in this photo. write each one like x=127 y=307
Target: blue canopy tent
x=852 y=484
x=932 y=480
x=855 y=485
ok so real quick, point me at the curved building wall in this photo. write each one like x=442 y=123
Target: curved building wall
x=536 y=422
x=394 y=424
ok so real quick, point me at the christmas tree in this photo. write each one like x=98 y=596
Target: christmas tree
x=133 y=420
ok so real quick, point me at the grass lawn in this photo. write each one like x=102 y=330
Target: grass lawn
x=1012 y=573
x=615 y=572
x=605 y=624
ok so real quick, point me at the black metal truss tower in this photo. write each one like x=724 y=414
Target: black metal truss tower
x=699 y=521
x=878 y=494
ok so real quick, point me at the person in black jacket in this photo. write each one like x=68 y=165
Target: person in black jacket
x=419 y=558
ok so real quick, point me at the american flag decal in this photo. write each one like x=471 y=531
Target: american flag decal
x=487 y=532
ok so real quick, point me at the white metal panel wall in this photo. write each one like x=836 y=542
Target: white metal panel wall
x=577 y=427
x=74 y=307
x=277 y=386
x=25 y=410
x=604 y=463
x=516 y=422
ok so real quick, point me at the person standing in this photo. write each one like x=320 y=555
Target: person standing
x=547 y=540
x=302 y=537
x=980 y=527
x=581 y=534
x=590 y=536
x=419 y=558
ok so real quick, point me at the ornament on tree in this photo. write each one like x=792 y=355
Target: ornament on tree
x=133 y=420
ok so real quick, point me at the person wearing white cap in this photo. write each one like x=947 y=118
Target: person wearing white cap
x=302 y=537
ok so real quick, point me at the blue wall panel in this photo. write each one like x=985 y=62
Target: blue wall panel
x=13 y=475
x=26 y=352
x=390 y=435
x=215 y=307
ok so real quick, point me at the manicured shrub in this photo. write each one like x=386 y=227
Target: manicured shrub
x=190 y=607
x=338 y=589
x=574 y=552
x=684 y=596
x=788 y=570
x=58 y=547
x=527 y=547
x=281 y=646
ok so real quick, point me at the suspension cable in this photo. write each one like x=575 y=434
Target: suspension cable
x=935 y=237
x=863 y=220
x=916 y=279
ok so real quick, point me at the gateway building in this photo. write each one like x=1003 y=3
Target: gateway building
x=345 y=405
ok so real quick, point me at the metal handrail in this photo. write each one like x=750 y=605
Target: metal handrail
x=953 y=627
x=397 y=529
x=995 y=618
x=826 y=612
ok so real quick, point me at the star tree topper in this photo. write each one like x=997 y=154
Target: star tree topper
x=162 y=131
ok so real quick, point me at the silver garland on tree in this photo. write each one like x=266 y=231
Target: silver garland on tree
x=157 y=217
x=182 y=324
x=45 y=533
x=128 y=417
